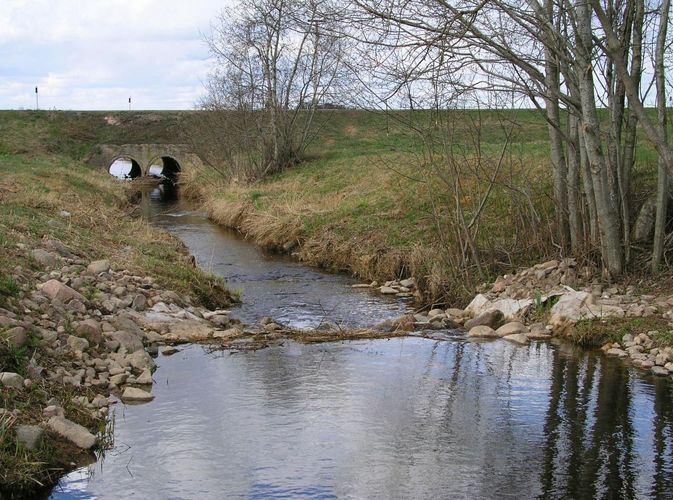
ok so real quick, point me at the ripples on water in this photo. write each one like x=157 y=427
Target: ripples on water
x=398 y=418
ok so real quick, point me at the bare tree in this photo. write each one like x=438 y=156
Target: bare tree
x=276 y=63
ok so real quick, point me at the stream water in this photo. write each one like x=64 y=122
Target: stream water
x=399 y=418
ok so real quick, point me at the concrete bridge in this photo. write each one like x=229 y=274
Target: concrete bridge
x=166 y=160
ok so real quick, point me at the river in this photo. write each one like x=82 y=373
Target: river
x=399 y=418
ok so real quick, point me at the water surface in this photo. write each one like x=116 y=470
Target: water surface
x=398 y=418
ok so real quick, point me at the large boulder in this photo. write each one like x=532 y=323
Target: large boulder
x=56 y=290
x=479 y=304
x=570 y=308
x=190 y=331
x=493 y=319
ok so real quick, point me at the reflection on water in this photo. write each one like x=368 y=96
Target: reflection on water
x=400 y=418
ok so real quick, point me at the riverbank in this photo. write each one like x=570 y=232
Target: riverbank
x=73 y=265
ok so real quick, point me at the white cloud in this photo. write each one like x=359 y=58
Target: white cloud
x=93 y=55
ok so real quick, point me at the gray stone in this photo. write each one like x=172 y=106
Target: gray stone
x=140 y=360
x=660 y=371
x=128 y=341
x=16 y=336
x=169 y=350
x=91 y=330
x=119 y=379
x=47 y=259
x=56 y=290
x=139 y=302
x=99 y=401
x=29 y=436
x=53 y=410
x=73 y=432
x=482 y=331
x=133 y=394
x=145 y=378
x=77 y=343
x=408 y=283
x=511 y=329
x=98 y=266
x=387 y=290
x=10 y=379
x=493 y=319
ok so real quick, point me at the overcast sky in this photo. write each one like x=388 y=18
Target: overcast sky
x=95 y=54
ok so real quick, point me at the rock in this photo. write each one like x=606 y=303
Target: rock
x=145 y=378
x=169 y=350
x=47 y=259
x=512 y=308
x=58 y=247
x=191 y=330
x=615 y=351
x=436 y=312
x=99 y=401
x=53 y=411
x=128 y=342
x=29 y=436
x=570 y=308
x=139 y=302
x=361 y=285
x=56 y=290
x=482 y=331
x=479 y=304
x=387 y=290
x=219 y=320
x=77 y=343
x=98 y=266
x=73 y=432
x=660 y=371
x=455 y=313
x=64 y=214
x=91 y=330
x=126 y=322
x=10 y=379
x=511 y=329
x=518 y=338
x=119 y=379
x=133 y=394
x=223 y=334
x=493 y=319
x=408 y=283
x=140 y=360
x=16 y=337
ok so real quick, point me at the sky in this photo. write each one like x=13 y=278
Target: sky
x=95 y=54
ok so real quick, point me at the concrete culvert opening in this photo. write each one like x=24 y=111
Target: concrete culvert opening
x=165 y=167
x=125 y=167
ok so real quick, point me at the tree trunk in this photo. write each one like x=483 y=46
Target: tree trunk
x=608 y=223
x=662 y=181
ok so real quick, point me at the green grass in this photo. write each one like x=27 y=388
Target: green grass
x=595 y=332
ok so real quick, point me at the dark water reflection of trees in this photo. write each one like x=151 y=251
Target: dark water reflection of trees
x=594 y=437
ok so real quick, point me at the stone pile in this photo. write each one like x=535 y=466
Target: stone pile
x=569 y=294
x=405 y=288
x=99 y=328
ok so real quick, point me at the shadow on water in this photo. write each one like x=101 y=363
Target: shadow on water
x=398 y=418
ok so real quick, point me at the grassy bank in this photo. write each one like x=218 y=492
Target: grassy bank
x=47 y=193
x=386 y=196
